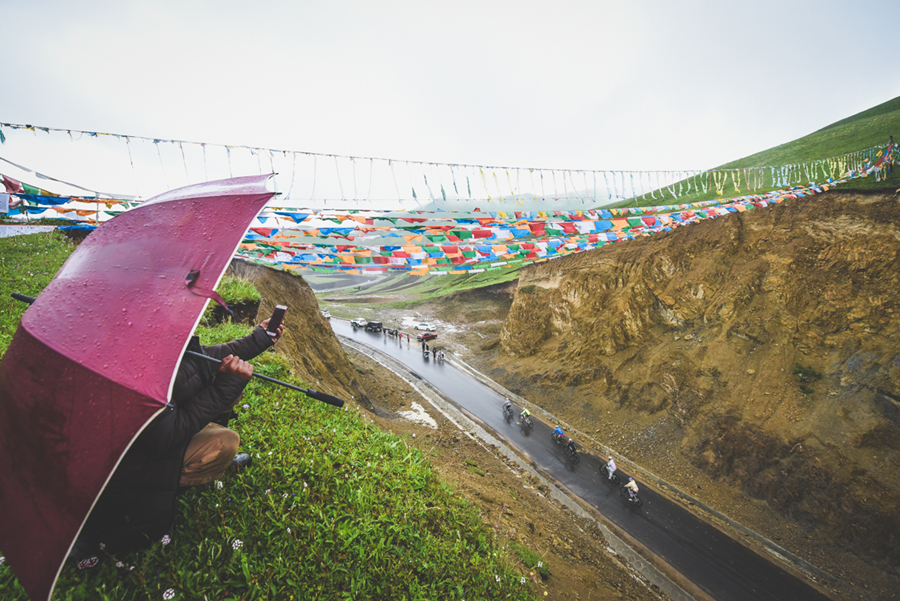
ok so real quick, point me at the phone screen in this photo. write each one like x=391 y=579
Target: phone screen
x=275 y=320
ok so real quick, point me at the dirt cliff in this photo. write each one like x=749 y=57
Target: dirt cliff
x=317 y=357
x=760 y=349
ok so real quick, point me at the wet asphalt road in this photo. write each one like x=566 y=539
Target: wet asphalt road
x=725 y=569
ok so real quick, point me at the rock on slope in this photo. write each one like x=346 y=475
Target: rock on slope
x=764 y=344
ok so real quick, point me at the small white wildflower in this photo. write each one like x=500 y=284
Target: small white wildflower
x=284 y=495
x=497 y=578
x=522 y=580
x=237 y=544
x=2 y=559
x=217 y=504
x=304 y=485
x=268 y=490
x=166 y=539
x=119 y=564
x=219 y=484
x=270 y=452
x=289 y=530
x=246 y=406
x=257 y=456
x=102 y=546
x=169 y=593
x=540 y=564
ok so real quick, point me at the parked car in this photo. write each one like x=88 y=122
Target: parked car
x=374 y=326
x=426 y=336
x=428 y=327
x=359 y=322
x=326 y=314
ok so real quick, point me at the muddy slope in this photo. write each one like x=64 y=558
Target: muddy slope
x=762 y=349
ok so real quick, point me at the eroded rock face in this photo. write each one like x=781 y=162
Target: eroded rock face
x=772 y=337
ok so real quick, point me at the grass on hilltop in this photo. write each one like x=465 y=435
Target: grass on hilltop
x=861 y=131
x=332 y=508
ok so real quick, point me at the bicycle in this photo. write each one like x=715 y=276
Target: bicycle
x=572 y=454
x=631 y=496
x=527 y=421
x=508 y=412
x=604 y=471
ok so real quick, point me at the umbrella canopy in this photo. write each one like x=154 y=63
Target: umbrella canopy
x=94 y=360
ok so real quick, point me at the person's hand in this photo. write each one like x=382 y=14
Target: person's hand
x=277 y=336
x=236 y=367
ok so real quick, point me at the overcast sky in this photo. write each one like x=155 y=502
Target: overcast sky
x=594 y=85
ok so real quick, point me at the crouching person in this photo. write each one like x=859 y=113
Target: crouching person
x=187 y=444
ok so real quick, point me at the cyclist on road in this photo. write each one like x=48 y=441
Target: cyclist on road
x=507 y=404
x=571 y=446
x=610 y=467
x=558 y=433
x=524 y=415
x=632 y=485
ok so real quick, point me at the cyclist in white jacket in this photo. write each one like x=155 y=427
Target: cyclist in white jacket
x=610 y=467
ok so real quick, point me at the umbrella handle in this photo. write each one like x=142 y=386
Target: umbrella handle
x=319 y=396
x=23 y=298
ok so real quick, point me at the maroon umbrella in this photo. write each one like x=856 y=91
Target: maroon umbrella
x=94 y=358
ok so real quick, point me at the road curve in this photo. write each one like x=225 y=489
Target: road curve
x=722 y=567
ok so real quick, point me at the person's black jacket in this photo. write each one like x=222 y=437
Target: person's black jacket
x=137 y=506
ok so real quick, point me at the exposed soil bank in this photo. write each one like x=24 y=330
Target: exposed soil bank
x=751 y=359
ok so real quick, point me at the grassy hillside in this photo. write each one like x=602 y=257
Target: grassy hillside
x=414 y=290
x=858 y=132
x=869 y=128
x=332 y=508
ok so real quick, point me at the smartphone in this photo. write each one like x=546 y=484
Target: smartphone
x=275 y=320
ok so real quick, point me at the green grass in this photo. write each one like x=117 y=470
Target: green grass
x=332 y=508
x=238 y=294
x=531 y=559
x=235 y=290
x=27 y=264
x=7 y=220
x=858 y=132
